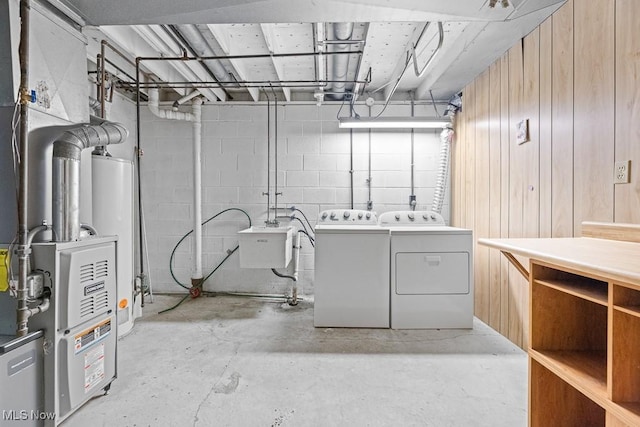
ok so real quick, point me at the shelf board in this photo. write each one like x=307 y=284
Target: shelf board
x=629 y=412
x=586 y=371
x=592 y=292
x=633 y=310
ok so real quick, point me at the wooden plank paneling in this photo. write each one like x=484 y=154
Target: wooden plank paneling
x=562 y=122
x=504 y=191
x=530 y=156
x=516 y=187
x=545 y=127
x=576 y=78
x=494 y=167
x=627 y=138
x=593 y=111
x=470 y=156
x=482 y=189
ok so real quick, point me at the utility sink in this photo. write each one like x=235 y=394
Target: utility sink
x=265 y=247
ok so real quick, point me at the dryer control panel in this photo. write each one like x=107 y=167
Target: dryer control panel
x=409 y=218
x=348 y=217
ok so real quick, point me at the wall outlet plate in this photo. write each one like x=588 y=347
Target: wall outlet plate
x=622 y=172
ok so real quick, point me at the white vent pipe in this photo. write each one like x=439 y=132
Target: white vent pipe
x=341 y=31
x=196 y=118
x=66 y=172
x=443 y=169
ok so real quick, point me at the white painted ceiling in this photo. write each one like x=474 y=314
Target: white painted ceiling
x=383 y=34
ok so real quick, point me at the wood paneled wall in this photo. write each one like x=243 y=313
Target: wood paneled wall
x=576 y=78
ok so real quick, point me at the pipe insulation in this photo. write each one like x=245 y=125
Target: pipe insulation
x=67 y=150
x=446 y=137
x=341 y=31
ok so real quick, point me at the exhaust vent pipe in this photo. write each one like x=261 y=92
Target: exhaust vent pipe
x=66 y=172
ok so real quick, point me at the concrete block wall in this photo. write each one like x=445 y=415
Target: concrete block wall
x=313 y=175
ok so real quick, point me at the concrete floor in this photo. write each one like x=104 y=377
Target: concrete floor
x=231 y=361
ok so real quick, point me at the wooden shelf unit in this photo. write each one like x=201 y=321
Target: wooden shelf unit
x=584 y=349
x=584 y=325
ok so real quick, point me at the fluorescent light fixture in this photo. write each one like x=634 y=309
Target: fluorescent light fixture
x=394 y=122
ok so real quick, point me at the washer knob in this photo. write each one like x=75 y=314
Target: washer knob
x=368 y=215
x=397 y=217
x=433 y=217
x=333 y=215
x=359 y=215
x=346 y=214
x=426 y=217
x=324 y=215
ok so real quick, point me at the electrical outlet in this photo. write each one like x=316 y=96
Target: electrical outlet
x=622 y=172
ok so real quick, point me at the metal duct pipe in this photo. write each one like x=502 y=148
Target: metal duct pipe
x=341 y=31
x=197 y=41
x=66 y=173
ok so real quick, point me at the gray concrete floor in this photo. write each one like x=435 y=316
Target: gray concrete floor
x=231 y=361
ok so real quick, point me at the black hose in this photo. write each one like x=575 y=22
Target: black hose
x=306 y=219
x=285 y=276
x=311 y=239
x=173 y=252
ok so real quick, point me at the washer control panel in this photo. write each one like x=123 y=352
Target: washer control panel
x=409 y=218
x=348 y=217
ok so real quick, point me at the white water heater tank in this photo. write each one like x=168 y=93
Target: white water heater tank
x=113 y=214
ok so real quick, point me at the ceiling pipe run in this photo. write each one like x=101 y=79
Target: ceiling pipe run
x=342 y=31
x=196 y=40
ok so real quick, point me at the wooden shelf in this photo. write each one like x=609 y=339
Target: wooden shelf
x=586 y=371
x=584 y=324
x=594 y=292
x=633 y=310
x=628 y=412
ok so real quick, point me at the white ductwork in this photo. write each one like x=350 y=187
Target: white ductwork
x=196 y=40
x=341 y=31
x=196 y=118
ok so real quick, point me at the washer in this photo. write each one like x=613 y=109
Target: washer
x=431 y=271
x=351 y=287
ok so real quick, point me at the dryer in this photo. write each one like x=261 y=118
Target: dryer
x=431 y=271
x=351 y=286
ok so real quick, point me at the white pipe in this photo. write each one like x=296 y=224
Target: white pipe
x=184 y=99
x=296 y=268
x=296 y=264
x=196 y=108
x=166 y=113
x=196 y=118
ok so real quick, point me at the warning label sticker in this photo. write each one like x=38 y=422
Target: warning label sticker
x=91 y=336
x=93 y=367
